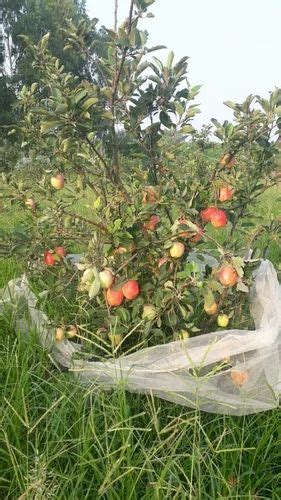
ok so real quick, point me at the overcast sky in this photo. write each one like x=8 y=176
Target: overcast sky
x=233 y=45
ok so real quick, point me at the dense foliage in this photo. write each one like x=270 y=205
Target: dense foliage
x=160 y=230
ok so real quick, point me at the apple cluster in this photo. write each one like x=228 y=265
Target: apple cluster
x=51 y=257
x=118 y=290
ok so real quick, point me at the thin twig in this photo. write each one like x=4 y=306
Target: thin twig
x=115 y=15
x=118 y=74
x=97 y=153
x=129 y=260
x=89 y=221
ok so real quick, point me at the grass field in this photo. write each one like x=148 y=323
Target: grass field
x=61 y=441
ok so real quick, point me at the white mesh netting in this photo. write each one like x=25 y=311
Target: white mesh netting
x=233 y=371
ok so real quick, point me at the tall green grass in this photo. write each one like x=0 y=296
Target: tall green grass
x=60 y=440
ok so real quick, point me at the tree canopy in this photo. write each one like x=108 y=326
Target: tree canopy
x=32 y=19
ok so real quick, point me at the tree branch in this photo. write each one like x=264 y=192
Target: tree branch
x=118 y=74
x=100 y=226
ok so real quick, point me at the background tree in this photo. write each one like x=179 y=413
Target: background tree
x=34 y=18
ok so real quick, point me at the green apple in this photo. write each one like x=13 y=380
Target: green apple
x=57 y=181
x=149 y=312
x=177 y=250
x=106 y=278
x=223 y=320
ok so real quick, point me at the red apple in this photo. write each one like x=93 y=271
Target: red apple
x=225 y=193
x=60 y=251
x=131 y=289
x=30 y=203
x=49 y=259
x=239 y=377
x=152 y=223
x=106 y=278
x=207 y=213
x=130 y=248
x=120 y=250
x=218 y=218
x=177 y=250
x=57 y=181
x=151 y=194
x=114 y=297
x=227 y=276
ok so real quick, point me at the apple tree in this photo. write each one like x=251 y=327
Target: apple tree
x=165 y=229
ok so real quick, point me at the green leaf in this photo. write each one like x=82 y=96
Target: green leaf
x=216 y=122
x=192 y=111
x=265 y=105
x=209 y=298
x=179 y=108
x=241 y=287
x=230 y=104
x=80 y=95
x=61 y=108
x=156 y=47
x=132 y=36
x=89 y=102
x=170 y=60
x=165 y=119
x=159 y=322
x=94 y=288
x=229 y=129
x=183 y=311
x=41 y=111
x=238 y=264
x=97 y=202
x=33 y=87
x=187 y=129
x=91 y=135
x=56 y=93
x=108 y=115
x=117 y=225
x=46 y=127
x=194 y=90
x=44 y=40
x=215 y=286
x=66 y=144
